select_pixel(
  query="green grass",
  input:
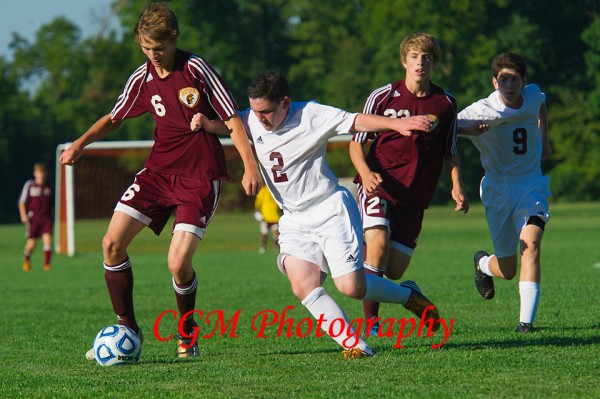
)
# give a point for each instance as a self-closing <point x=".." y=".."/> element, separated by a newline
<point x="49" y="319"/>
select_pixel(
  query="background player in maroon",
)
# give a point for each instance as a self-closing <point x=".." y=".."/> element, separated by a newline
<point x="184" y="170"/>
<point x="397" y="178"/>
<point x="35" y="207"/>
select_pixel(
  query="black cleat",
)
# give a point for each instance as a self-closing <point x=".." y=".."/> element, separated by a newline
<point x="525" y="328"/>
<point x="483" y="282"/>
<point x="185" y="348"/>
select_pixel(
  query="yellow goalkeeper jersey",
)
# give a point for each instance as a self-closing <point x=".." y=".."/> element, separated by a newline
<point x="267" y="206"/>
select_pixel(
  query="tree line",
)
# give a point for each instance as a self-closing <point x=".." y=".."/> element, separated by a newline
<point x="333" y="51"/>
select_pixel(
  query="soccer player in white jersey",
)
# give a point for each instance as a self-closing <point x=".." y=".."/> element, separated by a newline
<point x="320" y="229"/>
<point x="510" y="129"/>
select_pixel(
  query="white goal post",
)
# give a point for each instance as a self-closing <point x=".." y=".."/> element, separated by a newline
<point x="66" y="183"/>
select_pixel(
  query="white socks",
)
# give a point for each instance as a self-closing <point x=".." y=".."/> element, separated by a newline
<point x="318" y="303"/>
<point x="380" y="289"/>
<point x="530" y="296"/>
<point x="484" y="265"/>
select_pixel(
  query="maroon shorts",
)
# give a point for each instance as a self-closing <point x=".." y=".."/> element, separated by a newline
<point x="403" y="220"/>
<point x="39" y="225"/>
<point x="153" y="197"/>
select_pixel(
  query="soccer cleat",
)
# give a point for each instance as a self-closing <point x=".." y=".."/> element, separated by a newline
<point x="46" y="267"/>
<point x="89" y="355"/>
<point x="26" y="266"/>
<point x="417" y="303"/>
<point x="525" y="328"/>
<point x="374" y="330"/>
<point x="483" y="282"/>
<point x="184" y="345"/>
<point x="356" y="353"/>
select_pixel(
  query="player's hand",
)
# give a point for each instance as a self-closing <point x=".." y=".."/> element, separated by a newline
<point x="70" y="155"/>
<point x="462" y="202"/>
<point x="24" y="220"/>
<point x="196" y="122"/>
<point x="371" y="182"/>
<point x="252" y="181"/>
<point x="406" y="126"/>
<point x="480" y="128"/>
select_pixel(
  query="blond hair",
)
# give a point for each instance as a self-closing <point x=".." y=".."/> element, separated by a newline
<point x="423" y="42"/>
<point x="158" y="23"/>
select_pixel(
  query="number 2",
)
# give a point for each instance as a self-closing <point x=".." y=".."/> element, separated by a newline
<point x="278" y="176"/>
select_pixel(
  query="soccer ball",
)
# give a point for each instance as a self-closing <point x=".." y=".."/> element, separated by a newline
<point x="116" y="345"/>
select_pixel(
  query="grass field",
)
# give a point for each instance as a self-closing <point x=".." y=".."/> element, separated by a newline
<point x="49" y="320"/>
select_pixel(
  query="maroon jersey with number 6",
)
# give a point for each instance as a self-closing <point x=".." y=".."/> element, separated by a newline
<point x="192" y="86"/>
<point x="410" y="166"/>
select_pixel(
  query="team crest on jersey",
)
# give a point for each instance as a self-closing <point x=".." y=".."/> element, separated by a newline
<point x="189" y="96"/>
<point x="434" y="119"/>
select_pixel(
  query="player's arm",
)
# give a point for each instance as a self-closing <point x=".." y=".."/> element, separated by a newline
<point x="212" y="126"/>
<point x="404" y="126"/>
<point x="234" y="128"/>
<point x="99" y="130"/>
<point x="543" y="124"/>
<point x="370" y="180"/>
<point x="251" y="180"/>
<point x="473" y="130"/>
<point x="458" y="193"/>
<point x="23" y="212"/>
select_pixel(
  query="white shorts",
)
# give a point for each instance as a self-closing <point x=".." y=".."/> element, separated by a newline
<point x="328" y="235"/>
<point x="508" y="206"/>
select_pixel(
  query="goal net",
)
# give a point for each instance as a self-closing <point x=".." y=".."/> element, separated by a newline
<point x="91" y="187"/>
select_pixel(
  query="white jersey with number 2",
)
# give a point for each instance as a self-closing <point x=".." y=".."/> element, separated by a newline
<point x="512" y="146"/>
<point x="293" y="157"/>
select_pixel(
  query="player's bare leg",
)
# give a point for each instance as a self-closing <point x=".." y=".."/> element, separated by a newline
<point x="305" y="280"/>
<point x="529" y="279"/>
<point x="397" y="264"/>
<point x="375" y="252"/>
<point x="27" y="251"/>
<point x="47" y="241"/>
<point x="118" y="274"/>
<point x="181" y="253"/>
<point x="367" y="286"/>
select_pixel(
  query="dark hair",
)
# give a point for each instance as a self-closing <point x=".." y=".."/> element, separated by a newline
<point x="158" y="23"/>
<point x="270" y="85"/>
<point x="509" y="61"/>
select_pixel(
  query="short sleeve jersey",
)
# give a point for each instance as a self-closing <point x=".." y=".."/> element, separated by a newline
<point x="293" y="157"/>
<point x="192" y="86"/>
<point x="410" y="166"/>
<point x="37" y="198"/>
<point x="512" y="146"/>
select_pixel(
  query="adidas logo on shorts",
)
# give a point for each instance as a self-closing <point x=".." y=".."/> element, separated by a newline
<point x="350" y="259"/>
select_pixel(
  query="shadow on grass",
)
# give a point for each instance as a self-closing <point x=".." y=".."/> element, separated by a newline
<point x="543" y="336"/>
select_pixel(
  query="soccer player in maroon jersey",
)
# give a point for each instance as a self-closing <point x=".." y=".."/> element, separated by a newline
<point x="397" y="178"/>
<point x="184" y="170"/>
<point x="35" y="207"/>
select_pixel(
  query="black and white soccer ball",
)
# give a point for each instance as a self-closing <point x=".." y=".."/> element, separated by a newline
<point x="117" y="345"/>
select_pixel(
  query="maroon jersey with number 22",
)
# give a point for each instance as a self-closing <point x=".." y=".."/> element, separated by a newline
<point x="410" y="166"/>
